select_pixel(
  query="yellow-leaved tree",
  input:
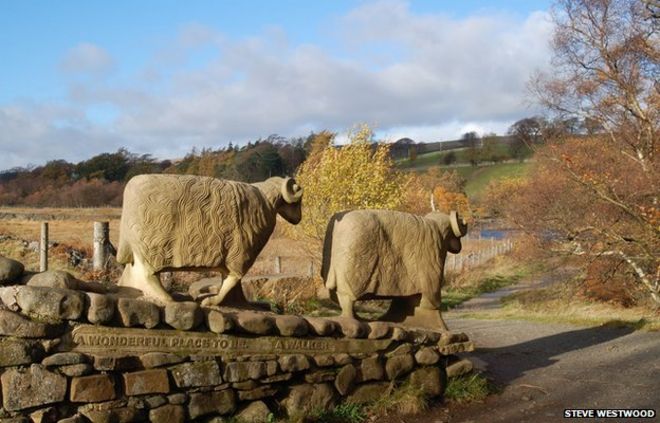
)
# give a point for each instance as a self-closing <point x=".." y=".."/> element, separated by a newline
<point x="359" y="175"/>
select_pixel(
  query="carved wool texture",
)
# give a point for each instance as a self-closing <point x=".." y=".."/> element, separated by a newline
<point x="175" y="221"/>
<point x="385" y="253"/>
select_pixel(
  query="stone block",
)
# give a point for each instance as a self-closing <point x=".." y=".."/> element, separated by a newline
<point x="456" y="348"/>
<point x="153" y="381"/>
<point x="155" y="401"/>
<point x="399" y="334"/>
<point x="264" y="391"/>
<point x="44" y="415"/>
<point x="293" y="362"/>
<point x="101" y="308"/>
<point x="159" y="359"/>
<point x="322" y="327"/>
<point x="318" y="376"/>
<point x="222" y="402"/>
<point x="51" y="303"/>
<point x="432" y="380"/>
<point x="345" y="379"/>
<point x="245" y="385"/>
<point x="13" y="324"/>
<point x="452" y="338"/>
<point x="76" y="418"/>
<point x="459" y="368"/>
<point x="277" y="378"/>
<point x="379" y="330"/>
<point x="303" y="399"/>
<point x="254" y="323"/>
<point x="400" y="350"/>
<point x="116" y="415"/>
<point x="8" y="297"/>
<point x="54" y="279"/>
<point x="323" y="360"/>
<point x="371" y="369"/>
<point x="10" y="270"/>
<point x="427" y="356"/>
<point x="255" y="412"/>
<point x="241" y="371"/>
<point x="17" y="352"/>
<point x="219" y="322"/>
<point x="199" y="373"/>
<point x="168" y="413"/>
<point x="116" y="363"/>
<point x="399" y="365"/>
<point x="31" y="387"/>
<point x="272" y="368"/>
<point x="369" y="392"/>
<point x="74" y="370"/>
<point x="184" y="315"/>
<point x="65" y="359"/>
<point x="342" y="359"/>
<point x="352" y="328"/>
<point x="178" y="398"/>
<point x="134" y="312"/>
<point x="96" y="388"/>
<point x="291" y="326"/>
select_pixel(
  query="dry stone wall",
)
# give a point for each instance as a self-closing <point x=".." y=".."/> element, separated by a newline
<point x="75" y="356"/>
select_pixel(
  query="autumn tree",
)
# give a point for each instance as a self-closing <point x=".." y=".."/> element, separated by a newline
<point x="354" y="176"/>
<point x="598" y="194"/>
<point x="472" y="144"/>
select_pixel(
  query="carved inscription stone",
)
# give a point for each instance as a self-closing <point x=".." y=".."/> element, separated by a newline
<point x="117" y="341"/>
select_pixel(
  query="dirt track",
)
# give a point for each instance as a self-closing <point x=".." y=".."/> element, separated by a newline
<point x="543" y="369"/>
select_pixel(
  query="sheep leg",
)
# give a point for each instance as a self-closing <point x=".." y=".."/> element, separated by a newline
<point x="227" y="285"/>
<point x="346" y="304"/>
<point x="430" y="302"/>
<point x="215" y="289"/>
<point x="140" y="276"/>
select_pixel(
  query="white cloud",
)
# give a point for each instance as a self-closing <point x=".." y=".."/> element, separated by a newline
<point x="428" y="77"/>
<point x="87" y="58"/>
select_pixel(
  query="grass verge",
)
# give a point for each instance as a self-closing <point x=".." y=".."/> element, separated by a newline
<point x="468" y="388"/>
<point x="498" y="273"/>
<point x="554" y="305"/>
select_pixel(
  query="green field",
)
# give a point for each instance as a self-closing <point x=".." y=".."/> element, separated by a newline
<point x="477" y="177"/>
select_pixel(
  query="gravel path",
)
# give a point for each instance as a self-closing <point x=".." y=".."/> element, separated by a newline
<point x="543" y="369"/>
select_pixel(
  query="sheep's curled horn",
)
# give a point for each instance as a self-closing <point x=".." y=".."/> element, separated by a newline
<point x="458" y="225"/>
<point x="291" y="191"/>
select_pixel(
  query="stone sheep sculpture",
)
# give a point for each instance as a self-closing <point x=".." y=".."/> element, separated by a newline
<point x="381" y="254"/>
<point x="174" y="222"/>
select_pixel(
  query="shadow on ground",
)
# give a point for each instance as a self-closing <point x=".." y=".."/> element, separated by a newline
<point x="509" y="362"/>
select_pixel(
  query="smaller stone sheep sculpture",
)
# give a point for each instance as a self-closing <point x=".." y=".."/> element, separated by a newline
<point x="174" y="222"/>
<point x="381" y="254"/>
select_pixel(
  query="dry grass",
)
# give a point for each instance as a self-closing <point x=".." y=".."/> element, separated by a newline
<point x="52" y="213"/>
<point x="557" y="304"/>
<point x="75" y="233"/>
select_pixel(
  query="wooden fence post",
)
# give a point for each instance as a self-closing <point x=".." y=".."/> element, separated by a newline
<point x="43" y="248"/>
<point x="278" y="265"/>
<point x="101" y="241"/>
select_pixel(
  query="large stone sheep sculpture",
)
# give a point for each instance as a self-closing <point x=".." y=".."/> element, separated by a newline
<point x="173" y="222"/>
<point x="380" y="254"/>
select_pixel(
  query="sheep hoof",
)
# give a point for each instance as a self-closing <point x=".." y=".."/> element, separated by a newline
<point x="211" y="301"/>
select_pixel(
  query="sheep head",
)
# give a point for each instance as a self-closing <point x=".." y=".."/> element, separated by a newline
<point x="291" y="206"/>
<point x="453" y="227"/>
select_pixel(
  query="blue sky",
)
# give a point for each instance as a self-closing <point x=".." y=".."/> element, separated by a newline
<point x="79" y="78"/>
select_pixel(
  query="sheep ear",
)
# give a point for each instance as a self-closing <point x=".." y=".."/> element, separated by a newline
<point x="291" y="191"/>
<point x="458" y="225"/>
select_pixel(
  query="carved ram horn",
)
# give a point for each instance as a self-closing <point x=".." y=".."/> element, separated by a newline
<point x="458" y="225"/>
<point x="291" y="191"/>
<point x="432" y="203"/>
